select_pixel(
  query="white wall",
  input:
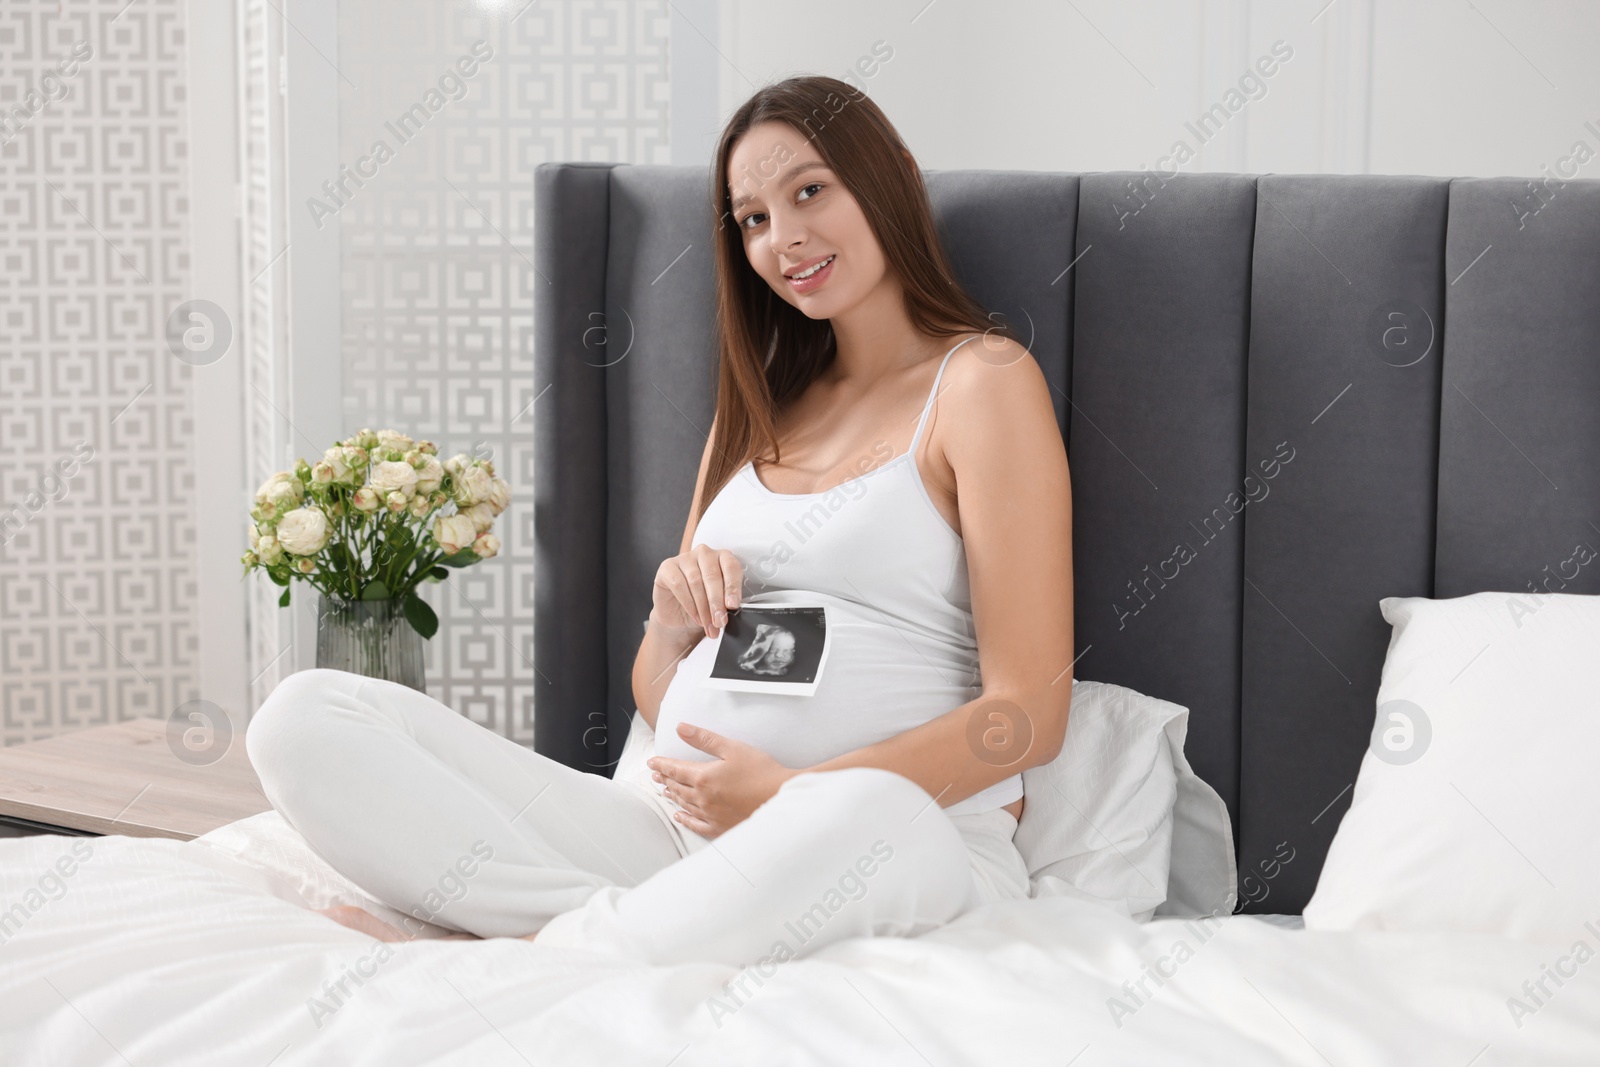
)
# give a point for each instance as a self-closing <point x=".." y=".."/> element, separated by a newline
<point x="1446" y="87"/>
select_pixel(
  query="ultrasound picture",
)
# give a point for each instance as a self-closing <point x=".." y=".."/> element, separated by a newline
<point x="772" y="648"/>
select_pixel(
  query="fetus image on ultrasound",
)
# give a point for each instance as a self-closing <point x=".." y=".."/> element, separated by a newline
<point x="771" y="648"/>
<point x="771" y="652"/>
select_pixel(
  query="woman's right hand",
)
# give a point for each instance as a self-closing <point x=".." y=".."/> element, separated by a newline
<point x="694" y="591"/>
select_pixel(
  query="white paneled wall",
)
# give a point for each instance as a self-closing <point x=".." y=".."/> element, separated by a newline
<point x="438" y="276"/>
<point x="1446" y="87"/>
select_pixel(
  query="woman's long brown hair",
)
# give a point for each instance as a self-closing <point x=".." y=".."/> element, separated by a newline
<point x="862" y="147"/>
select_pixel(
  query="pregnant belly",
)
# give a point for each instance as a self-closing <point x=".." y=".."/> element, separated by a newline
<point x="880" y="680"/>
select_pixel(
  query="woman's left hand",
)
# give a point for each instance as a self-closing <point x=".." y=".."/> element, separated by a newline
<point x="717" y="795"/>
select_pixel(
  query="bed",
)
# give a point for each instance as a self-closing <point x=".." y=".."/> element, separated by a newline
<point x="1420" y="360"/>
<point x="204" y="953"/>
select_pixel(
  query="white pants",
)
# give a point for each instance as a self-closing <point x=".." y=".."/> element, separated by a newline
<point x="448" y="821"/>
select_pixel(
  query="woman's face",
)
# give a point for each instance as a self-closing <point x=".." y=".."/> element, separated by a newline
<point x="794" y="213"/>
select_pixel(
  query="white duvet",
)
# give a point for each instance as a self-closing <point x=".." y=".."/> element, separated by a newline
<point x="159" y="953"/>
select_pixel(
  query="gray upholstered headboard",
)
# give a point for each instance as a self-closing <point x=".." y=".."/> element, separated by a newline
<point x="1416" y="360"/>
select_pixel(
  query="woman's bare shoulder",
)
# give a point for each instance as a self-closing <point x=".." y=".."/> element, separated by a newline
<point x="994" y="390"/>
<point x="989" y="369"/>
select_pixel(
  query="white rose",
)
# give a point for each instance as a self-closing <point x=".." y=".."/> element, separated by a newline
<point x="482" y="516"/>
<point x="356" y="460"/>
<point x="429" y="475"/>
<point x="366" y="500"/>
<point x="305" y="565"/>
<point x="338" y="461"/>
<point x="392" y="440"/>
<point x="396" y="501"/>
<point x="452" y="533"/>
<point x="457" y="463"/>
<point x="278" y="496"/>
<point x="281" y="484"/>
<point x="393" y="476"/>
<point x="304" y="531"/>
<point x="269" y="551"/>
<point x="420" y="506"/>
<point x="500" y="494"/>
<point x="486" y="545"/>
<point x="473" y="486"/>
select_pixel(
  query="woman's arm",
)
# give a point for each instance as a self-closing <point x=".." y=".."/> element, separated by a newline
<point x="1015" y="500"/>
<point x="659" y="655"/>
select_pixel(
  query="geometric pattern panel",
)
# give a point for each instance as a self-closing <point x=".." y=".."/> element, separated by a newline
<point x="438" y="274"/>
<point x="97" y="577"/>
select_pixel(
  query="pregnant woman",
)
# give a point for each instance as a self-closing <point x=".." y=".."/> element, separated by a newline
<point x="879" y="449"/>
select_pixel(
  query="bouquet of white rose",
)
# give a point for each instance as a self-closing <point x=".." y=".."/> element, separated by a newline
<point x="366" y="521"/>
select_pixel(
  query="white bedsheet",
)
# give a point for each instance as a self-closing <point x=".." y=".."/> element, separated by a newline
<point x="159" y="953"/>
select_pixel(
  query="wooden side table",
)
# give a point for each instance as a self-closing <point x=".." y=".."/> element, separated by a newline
<point x="124" y="779"/>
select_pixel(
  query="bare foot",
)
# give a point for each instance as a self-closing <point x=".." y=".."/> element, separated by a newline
<point x="367" y="923"/>
<point x="364" y="921"/>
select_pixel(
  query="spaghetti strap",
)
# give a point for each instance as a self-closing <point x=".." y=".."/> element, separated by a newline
<point x="932" y="394"/>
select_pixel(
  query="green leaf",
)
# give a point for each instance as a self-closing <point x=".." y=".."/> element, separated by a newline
<point x="438" y="574"/>
<point x="420" y="615"/>
<point x="283" y="601"/>
<point x="396" y="544"/>
<point x="465" y="558"/>
<point x="375" y="590"/>
<point x="279" y="576"/>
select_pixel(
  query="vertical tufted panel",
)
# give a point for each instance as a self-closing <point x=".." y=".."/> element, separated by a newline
<point x="660" y="396"/>
<point x="569" y="459"/>
<point x="1519" y="464"/>
<point x="1010" y="236"/>
<point x="1158" y="372"/>
<point x="1346" y="308"/>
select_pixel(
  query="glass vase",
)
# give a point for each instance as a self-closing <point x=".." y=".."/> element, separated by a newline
<point x="371" y="638"/>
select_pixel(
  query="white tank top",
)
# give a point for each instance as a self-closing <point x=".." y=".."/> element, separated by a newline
<point x="892" y="574"/>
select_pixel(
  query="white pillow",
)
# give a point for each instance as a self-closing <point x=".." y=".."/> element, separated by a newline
<point x="1203" y="877"/>
<point x="1477" y="803"/>
<point x="1119" y="817"/>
